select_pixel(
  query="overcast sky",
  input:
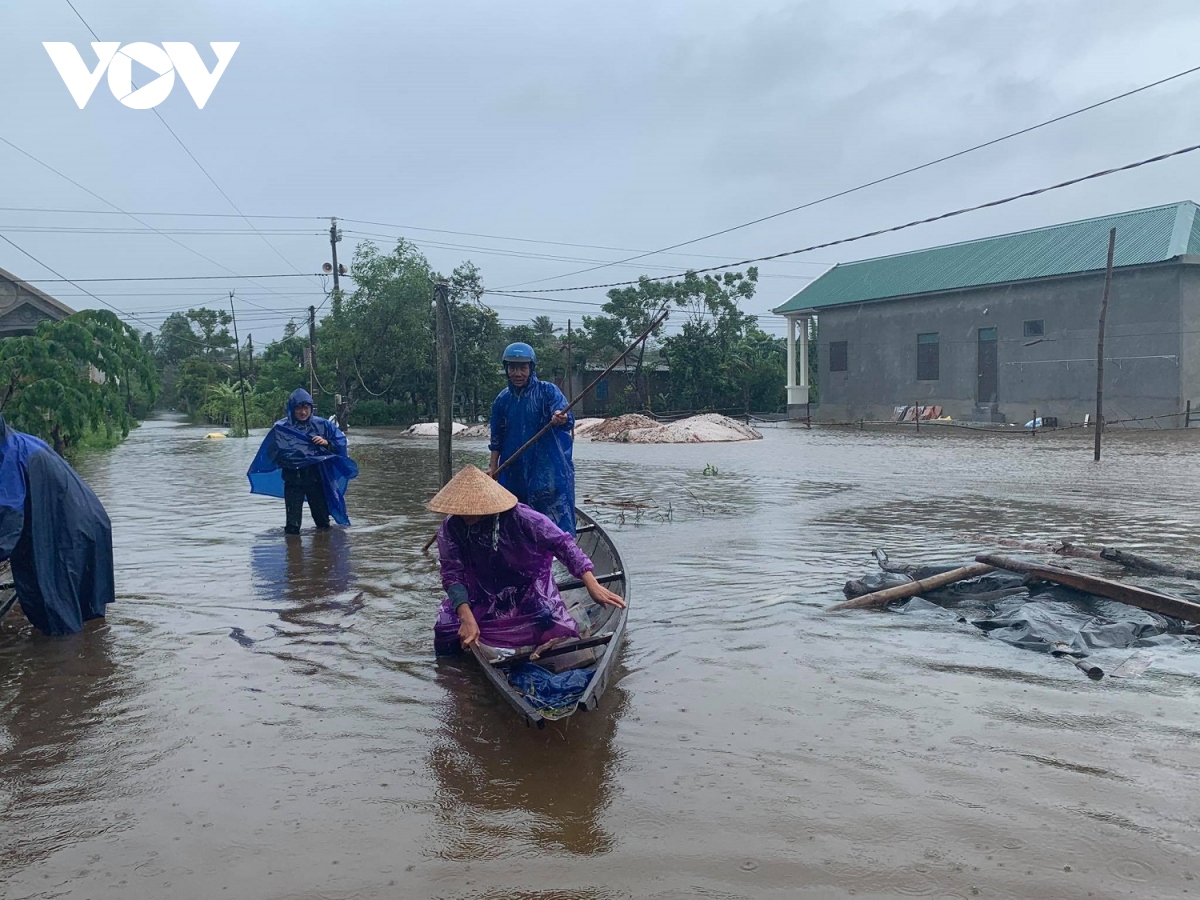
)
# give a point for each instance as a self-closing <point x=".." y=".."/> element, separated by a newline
<point x="622" y="124"/>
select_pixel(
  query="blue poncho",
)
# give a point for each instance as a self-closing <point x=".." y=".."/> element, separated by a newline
<point x="543" y="477"/>
<point x="289" y="445"/>
<point x="56" y="533"/>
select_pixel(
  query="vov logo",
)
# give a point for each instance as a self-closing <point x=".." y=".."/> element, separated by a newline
<point x="164" y="61"/>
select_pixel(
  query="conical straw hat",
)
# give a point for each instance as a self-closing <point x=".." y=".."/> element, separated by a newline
<point x="472" y="493"/>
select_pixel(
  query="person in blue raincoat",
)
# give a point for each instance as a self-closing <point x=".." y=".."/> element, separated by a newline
<point x="304" y="457"/>
<point x="56" y="533"/>
<point x="543" y="477"/>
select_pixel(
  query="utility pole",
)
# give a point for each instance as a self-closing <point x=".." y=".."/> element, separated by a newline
<point x="1112" y="243"/>
<point x="445" y="386"/>
<point x="241" y="377"/>
<point x="570" y="375"/>
<point x="250" y="351"/>
<point x="570" y="385"/>
<point x="312" y="353"/>
<point x="334" y="237"/>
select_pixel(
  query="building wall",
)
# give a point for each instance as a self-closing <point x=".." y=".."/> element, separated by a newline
<point x="1189" y="332"/>
<point x="1056" y="376"/>
<point x="21" y="320"/>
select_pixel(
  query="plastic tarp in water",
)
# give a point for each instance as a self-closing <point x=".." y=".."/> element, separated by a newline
<point x="503" y="567"/>
<point x="289" y="445"/>
<point x="1048" y="618"/>
<point x="56" y="533"/>
<point x="542" y="477"/>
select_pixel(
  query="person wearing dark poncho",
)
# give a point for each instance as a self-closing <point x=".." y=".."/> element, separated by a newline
<point x="303" y="457"/>
<point x="56" y="533"/>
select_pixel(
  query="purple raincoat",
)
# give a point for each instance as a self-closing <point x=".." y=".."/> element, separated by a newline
<point x="501" y="565"/>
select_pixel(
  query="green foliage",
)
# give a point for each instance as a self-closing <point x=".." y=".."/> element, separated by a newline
<point x="86" y="377"/>
<point x="721" y="359"/>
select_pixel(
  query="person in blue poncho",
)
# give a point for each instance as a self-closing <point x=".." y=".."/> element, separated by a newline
<point x="56" y="534"/>
<point x="543" y="477"/>
<point x="303" y="457"/>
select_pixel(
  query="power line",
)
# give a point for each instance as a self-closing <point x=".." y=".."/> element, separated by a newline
<point x="878" y="181"/>
<point x="496" y="251"/>
<point x="196" y="215"/>
<point x="162" y="277"/>
<point x="89" y="293"/>
<point x="145" y="225"/>
<point x="192" y="156"/>
<point x="949" y="215"/>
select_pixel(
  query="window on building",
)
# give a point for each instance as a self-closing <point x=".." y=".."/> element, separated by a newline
<point x="1035" y="327"/>
<point x="838" y="360"/>
<point x="928" y="368"/>
<point x="602" y="390"/>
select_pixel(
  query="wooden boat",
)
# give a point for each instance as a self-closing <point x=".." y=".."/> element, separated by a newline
<point x="601" y="628"/>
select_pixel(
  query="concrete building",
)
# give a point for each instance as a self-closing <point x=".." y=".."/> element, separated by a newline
<point x="992" y="329"/>
<point x="22" y="306"/>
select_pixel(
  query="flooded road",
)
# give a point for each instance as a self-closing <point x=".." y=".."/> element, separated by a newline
<point x="264" y="719"/>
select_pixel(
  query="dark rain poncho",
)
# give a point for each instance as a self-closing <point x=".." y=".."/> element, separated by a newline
<point x="56" y="534"/>
<point x="288" y="445"/>
<point x="510" y="587"/>
<point x="544" y="475"/>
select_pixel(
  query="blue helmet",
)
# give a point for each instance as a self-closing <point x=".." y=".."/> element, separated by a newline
<point x="520" y="353"/>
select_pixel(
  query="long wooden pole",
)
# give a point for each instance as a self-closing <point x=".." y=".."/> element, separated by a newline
<point x="882" y="598"/>
<point x="1125" y="593"/>
<point x="1112" y="243"/>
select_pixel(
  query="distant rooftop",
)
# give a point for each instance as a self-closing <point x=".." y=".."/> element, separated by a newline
<point x="1143" y="236"/>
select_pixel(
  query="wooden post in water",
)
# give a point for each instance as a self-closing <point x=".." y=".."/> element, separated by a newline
<point x="917" y="416"/>
<point x="1034" y="429"/>
<point x="1099" y="424"/>
<point x="445" y="385"/>
<point x="241" y="377"/>
<point x="1187" y="416"/>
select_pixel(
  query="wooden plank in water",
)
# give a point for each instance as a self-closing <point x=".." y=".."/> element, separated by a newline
<point x="1142" y="598"/>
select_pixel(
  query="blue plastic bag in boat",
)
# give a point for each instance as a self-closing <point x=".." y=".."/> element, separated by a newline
<point x="545" y="690"/>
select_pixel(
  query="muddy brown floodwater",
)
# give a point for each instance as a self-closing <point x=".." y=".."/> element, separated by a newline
<point x="243" y="726"/>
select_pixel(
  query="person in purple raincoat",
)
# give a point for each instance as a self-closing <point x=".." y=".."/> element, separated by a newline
<point x="496" y="558"/>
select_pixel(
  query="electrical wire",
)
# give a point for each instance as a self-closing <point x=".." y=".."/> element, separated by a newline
<point x="881" y="180"/>
<point x="191" y="155"/>
<point x="870" y="234"/>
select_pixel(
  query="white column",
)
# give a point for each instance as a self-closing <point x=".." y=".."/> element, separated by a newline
<point x="797" y="390"/>
<point x="791" y="354"/>
<point x="802" y="381"/>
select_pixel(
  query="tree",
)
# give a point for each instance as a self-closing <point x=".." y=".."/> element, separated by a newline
<point x="378" y="340"/>
<point x="721" y="359"/>
<point x="86" y="375"/>
<point x="630" y="311"/>
<point x="215" y="338"/>
<point x="176" y="340"/>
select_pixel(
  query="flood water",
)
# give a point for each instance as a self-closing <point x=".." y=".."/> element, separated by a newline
<point x="265" y="719"/>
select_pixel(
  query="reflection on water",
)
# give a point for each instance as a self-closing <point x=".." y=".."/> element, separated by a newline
<point x="61" y="698"/>
<point x="752" y="745"/>
<point x="511" y="789"/>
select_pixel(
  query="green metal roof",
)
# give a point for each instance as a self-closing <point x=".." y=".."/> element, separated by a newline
<point x="1143" y="236"/>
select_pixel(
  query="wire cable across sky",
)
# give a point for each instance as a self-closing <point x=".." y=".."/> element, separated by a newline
<point x="877" y="181"/>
